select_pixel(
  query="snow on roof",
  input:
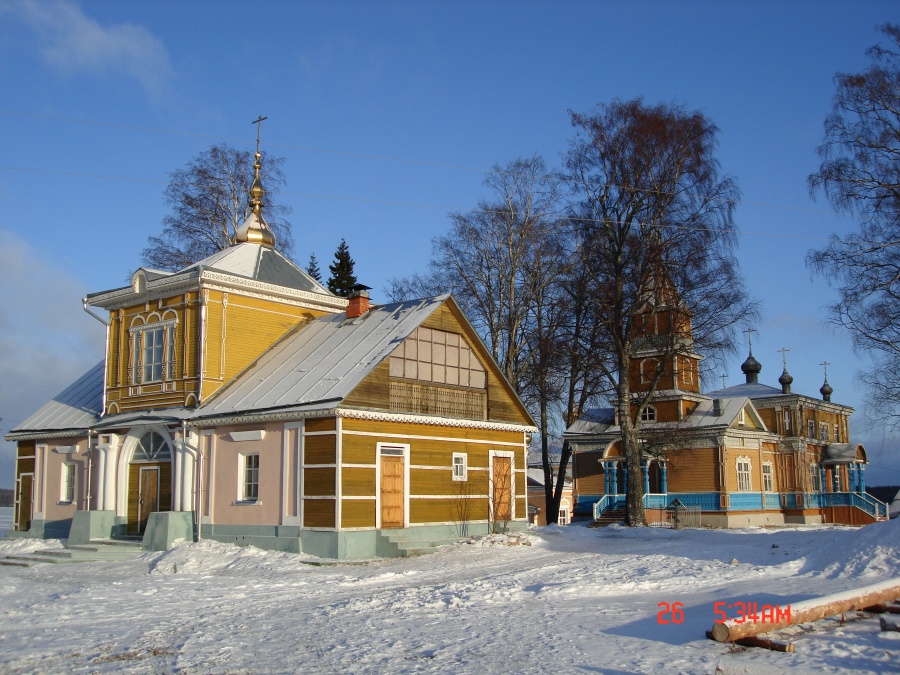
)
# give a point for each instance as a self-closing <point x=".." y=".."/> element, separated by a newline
<point x="749" y="390"/>
<point x="76" y="407"/>
<point x="842" y="451"/>
<point x="322" y="361"/>
<point x="593" y="421"/>
<point x="705" y="414"/>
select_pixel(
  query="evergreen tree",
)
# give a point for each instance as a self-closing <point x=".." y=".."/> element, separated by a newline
<point x="342" y="279"/>
<point x="312" y="269"/>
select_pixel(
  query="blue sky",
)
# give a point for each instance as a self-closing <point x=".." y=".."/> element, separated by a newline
<point x="388" y="114"/>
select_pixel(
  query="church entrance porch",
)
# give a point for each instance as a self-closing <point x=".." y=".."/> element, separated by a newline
<point x="149" y="481"/>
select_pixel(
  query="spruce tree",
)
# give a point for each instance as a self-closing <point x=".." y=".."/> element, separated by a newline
<point x="312" y="269"/>
<point x="342" y="279"/>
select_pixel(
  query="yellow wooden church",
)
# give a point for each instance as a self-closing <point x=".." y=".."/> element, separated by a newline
<point x="242" y="401"/>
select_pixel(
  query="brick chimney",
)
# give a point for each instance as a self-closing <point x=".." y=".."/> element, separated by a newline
<point x="359" y="303"/>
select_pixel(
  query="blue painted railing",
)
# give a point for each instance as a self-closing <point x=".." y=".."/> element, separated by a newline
<point x="738" y="501"/>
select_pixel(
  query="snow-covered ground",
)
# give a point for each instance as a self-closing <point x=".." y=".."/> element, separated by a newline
<point x="6" y="519"/>
<point x="561" y="600"/>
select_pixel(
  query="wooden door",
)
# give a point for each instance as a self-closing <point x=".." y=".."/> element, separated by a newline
<point x="26" y="498"/>
<point x="148" y="496"/>
<point x="502" y="490"/>
<point x="391" y="491"/>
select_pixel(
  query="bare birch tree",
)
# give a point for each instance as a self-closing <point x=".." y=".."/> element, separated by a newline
<point x="498" y="259"/>
<point x="658" y="236"/>
<point x="209" y="203"/>
<point x="860" y="175"/>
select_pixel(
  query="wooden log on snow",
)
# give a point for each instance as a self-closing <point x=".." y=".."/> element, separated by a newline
<point x="809" y="610"/>
<point x="766" y="643"/>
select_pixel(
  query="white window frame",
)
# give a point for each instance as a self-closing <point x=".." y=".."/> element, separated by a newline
<point x="563" y="516"/>
<point x="744" y="470"/>
<point x="823" y="432"/>
<point x="768" y="477"/>
<point x="815" y="478"/>
<point x="67" y="483"/>
<point x="742" y="417"/>
<point x="787" y="420"/>
<point x="159" y="371"/>
<point x="245" y="485"/>
<point x="811" y="429"/>
<point x="648" y="414"/>
<point x="837" y="434"/>
<point x="460" y="466"/>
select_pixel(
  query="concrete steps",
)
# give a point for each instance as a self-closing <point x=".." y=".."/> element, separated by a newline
<point x="96" y="551"/>
<point x="609" y="517"/>
<point x="410" y="542"/>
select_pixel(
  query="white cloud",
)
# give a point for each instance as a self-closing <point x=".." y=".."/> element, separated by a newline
<point x="46" y="339"/>
<point x="74" y="43"/>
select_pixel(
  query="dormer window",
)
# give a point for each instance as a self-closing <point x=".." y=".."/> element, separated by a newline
<point x="742" y="418"/>
<point x="648" y="414"/>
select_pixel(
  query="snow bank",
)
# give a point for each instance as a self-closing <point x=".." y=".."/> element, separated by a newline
<point x="873" y="551"/>
<point x="213" y="557"/>
<point x="25" y="545"/>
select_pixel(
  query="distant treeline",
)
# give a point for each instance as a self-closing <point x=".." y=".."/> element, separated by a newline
<point x="7" y="497"/>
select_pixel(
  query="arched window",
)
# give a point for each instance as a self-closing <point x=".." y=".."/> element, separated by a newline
<point x="152" y="448"/>
<point x="648" y="414"/>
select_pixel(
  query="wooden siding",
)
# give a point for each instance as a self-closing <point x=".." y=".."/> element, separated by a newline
<point x="320" y="424"/>
<point x="358" y="482"/>
<point x="319" y="450"/>
<point x="357" y="449"/>
<point x="374" y="390"/>
<point x="318" y="512"/>
<point x="357" y="513"/>
<point x="440" y="511"/>
<point x="693" y="470"/>
<point x="588" y="473"/>
<point x="319" y="482"/>
<point x="435" y="430"/>
<point x="185" y="353"/>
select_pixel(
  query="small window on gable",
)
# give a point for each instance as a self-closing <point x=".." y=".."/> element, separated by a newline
<point x="648" y="414"/>
<point x="460" y="466"/>
<point x="742" y="417"/>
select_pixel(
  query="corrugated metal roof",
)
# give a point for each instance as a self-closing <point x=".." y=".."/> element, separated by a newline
<point x="324" y="359"/>
<point x="76" y="407"/>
